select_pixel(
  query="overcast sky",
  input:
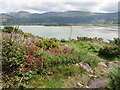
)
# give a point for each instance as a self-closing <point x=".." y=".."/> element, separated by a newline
<point x="40" y="6"/>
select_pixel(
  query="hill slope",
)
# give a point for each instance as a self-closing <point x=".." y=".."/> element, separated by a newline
<point x="80" y="17"/>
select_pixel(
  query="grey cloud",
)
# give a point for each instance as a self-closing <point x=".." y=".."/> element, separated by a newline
<point x="55" y="6"/>
<point x="45" y="6"/>
<point x="111" y="7"/>
<point x="81" y="3"/>
<point x="49" y="6"/>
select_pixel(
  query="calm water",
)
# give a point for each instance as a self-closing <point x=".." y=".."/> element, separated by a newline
<point x="64" y="32"/>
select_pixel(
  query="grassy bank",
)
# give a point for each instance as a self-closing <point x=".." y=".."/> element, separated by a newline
<point x="35" y="62"/>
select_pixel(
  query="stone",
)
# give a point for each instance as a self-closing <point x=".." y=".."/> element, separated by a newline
<point x="87" y="87"/>
<point x="85" y="66"/>
<point x="92" y="76"/>
<point x="77" y="64"/>
<point x="98" y="83"/>
<point x="102" y="64"/>
<point x="80" y="85"/>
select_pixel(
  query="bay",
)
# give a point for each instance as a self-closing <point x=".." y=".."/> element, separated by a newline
<point x="106" y="33"/>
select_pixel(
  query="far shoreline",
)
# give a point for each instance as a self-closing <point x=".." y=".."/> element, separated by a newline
<point x="73" y="25"/>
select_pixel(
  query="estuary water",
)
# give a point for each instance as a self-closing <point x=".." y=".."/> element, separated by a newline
<point x="106" y="33"/>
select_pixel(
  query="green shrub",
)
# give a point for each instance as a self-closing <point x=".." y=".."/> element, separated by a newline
<point x="109" y="52"/>
<point x="73" y="40"/>
<point x="63" y="40"/>
<point x="115" y="41"/>
<point x="114" y="83"/>
<point x="68" y="56"/>
<point x="94" y="48"/>
<point x="68" y="70"/>
<point x="89" y="39"/>
<point x="84" y="39"/>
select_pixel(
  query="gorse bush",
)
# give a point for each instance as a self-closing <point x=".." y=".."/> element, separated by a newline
<point x="47" y="44"/>
<point x="114" y="83"/>
<point x="54" y="39"/>
<point x="26" y="35"/>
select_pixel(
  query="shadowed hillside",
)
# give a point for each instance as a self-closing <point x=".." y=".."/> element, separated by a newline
<point x="75" y="17"/>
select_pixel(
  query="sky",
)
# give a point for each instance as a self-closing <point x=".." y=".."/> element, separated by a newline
<point x="41" y="6"/>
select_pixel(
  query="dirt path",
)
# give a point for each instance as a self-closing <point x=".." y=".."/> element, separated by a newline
<point x="101" y="72"/>
<point x="98" y="79"/>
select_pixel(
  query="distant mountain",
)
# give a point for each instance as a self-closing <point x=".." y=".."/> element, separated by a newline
<point x="20" y="14"/>
<point x="75" y="17"/>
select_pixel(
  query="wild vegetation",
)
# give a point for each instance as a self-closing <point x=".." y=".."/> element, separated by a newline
<point x="114" y="83"/>
<point x="35" y="62"/>
<point x="97" y="46"/>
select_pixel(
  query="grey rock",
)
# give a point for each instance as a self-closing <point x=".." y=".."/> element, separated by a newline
<point x="80" y="85"/>
<point x="85" y="66"/>
<point x="102" y="64"/>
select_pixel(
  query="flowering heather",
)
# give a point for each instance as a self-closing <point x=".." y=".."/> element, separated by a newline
<point x="23" y="69"/>
<point x="57" y="51"/>
<point x="61" y="44"/>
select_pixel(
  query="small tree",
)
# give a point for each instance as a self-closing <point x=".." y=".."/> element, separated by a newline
<point x="8" y="29"/>
<point x="11" y="29"/>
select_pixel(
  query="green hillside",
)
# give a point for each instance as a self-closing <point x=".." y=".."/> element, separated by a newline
<point x="72" y="17"/>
